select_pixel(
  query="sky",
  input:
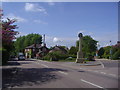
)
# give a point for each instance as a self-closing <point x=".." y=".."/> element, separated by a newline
<point x="62" y="21"/>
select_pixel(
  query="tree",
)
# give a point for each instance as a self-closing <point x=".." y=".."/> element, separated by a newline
<point x="89" y="46"/>
<point x="101" y="52"/>
<point x="73" y="50"/>
<point x="24" y="41"/>
<point x="8" y="33"/>
<point x="107" y="52"/>
<point x="116" y="55"/>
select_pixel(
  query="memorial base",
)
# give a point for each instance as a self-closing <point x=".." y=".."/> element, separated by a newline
<point x="80" y="58"/>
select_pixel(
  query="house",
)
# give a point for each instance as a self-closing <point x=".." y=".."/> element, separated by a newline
<point x="36" y="51"/>
<point x="60" y="49"/>
<point x="117" y="45"/>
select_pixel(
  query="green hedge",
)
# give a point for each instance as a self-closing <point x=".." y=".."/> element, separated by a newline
<point x="55" y="56"/>
<point x="116" y="55"/>
<point x="5" y="56"/>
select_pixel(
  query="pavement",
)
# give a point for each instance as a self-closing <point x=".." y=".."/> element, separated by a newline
<point x="44" y="74"/>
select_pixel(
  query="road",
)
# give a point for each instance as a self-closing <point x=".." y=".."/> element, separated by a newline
<point x="43" y="74"/>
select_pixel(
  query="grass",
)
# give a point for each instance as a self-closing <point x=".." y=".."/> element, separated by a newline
<point x="66" y="60"/>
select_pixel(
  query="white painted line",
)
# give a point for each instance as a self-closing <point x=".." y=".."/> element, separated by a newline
<point x="113" y="75"/>
<point x="103" y="72"/>
<point x="91" y="83"/>
<point x="63" y="72"/>
<point x="44" y="65"/>
<point x="102" y="64"/>
<point x="81" y="68"/>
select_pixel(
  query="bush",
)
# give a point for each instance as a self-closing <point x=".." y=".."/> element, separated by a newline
<point x="5" y="56"/>
<point x="116" y="55"/>
<point x="55" y="56"/>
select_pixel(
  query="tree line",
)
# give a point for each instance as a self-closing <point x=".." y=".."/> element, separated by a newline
<point x="23" y="41"/>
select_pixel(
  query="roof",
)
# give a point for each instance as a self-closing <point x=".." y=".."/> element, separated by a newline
<point x="58" y="48"/>
<point x="34" y="46"/>
<point x="117" y="45"/>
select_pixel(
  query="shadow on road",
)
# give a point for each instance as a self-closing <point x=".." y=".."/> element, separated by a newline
<point x="15" y="62"/>
<point x="28" y="76"/>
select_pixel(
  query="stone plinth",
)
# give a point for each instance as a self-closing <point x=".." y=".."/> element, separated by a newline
<point x="80" y="58"/>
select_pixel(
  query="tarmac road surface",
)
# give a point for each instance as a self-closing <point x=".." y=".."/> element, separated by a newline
<point x="43" y="74"/>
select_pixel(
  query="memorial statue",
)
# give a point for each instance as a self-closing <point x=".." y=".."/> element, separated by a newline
<point x="80" y="58"/>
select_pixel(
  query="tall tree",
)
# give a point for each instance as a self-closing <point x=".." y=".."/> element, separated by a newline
<point x="24" y="41"/>
<point x="73" y="50"/>
<point x="7" y="31"/>
<point x="101" y="52"/>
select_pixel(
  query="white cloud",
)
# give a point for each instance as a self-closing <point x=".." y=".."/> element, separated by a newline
<point x="39" y="21"/>
<point x="35" y="8"/>
<point x="12" y="16"/>
<point x="64" y="41"/>
<point x="55" y="39"/>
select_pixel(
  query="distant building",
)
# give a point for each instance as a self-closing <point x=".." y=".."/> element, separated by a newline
<point x="60" y="49"/>
<point x="36" y="51"/>
<point x="117" y="45"/>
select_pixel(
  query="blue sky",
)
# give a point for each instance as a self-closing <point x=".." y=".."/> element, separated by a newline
<point x="62" y="21"/>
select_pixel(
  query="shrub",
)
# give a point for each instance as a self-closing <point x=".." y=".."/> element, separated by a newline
<point x="5" y="56"/>
<point x="116" y="55"/>
<point x="55" y="56"/>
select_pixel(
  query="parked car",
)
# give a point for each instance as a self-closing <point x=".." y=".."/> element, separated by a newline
<point x="21" y="57"/>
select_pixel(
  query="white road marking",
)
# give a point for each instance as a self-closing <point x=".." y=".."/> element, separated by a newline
<point x="102" y="64"/>
<point x="44" y="65"/>
<point x="81" y="68"/>
<point x="91" y="83"/>
<point x="63" y="72"/>
<point x="103" y="72"/>
<point x="113" y="75"/>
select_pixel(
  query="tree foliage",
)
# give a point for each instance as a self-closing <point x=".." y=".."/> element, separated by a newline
<point x="7" y="31"/>
<point x="101" y="52"/>
<point x="55" y="56"/>
<point x="110" y="52"/>
<point x="89" y="45"/>
<point x="73" y="50"/>
<point x="24" y="41"/>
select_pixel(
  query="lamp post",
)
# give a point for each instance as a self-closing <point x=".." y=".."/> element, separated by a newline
<point x="80" y="53"/>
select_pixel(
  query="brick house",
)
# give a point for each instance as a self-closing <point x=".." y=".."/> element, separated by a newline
<point x="36" y="51"/>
